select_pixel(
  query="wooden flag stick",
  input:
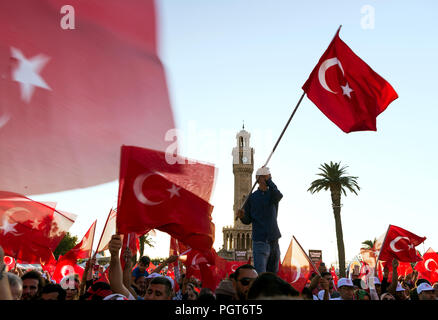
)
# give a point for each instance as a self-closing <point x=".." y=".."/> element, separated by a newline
<point x="275" y="146"/>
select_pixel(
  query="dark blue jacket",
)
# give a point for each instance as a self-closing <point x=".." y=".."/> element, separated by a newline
<point x="261" y="210"/>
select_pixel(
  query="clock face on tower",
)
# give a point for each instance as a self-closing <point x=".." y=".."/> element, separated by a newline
<point x="244" y="159"/>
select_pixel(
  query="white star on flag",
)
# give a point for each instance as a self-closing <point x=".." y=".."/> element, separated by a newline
<point x="346" y="90"/>
<point x="411" y="246"/>
<point x="27" y="73"/>
<point x="8" y="227"/>
<point x="35" y="224"/>
<point x="173" y="191"/>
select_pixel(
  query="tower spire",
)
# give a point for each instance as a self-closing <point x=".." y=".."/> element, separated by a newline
<point x="243" y="125"/>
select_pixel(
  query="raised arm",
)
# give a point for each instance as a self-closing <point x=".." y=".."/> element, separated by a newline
<point x="127" y="279"/>
<point x="276" y="195"/>
<point x="170" y="259"/>
<point x="393" y="286"/>
<point x="5" y="290"/>
<point x="87" y="275"/>
<point x="115" y="269"/>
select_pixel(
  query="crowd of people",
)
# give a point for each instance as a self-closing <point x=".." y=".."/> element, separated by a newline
<point x="245" y="283"/>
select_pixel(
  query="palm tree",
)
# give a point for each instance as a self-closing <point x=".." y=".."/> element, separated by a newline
<point x="334" y="178"/>
<point x="369" y="244"/>
<point x="145" y="240"/>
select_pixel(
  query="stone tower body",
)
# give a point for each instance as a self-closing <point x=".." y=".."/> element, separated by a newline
<point x="237" y="238"/>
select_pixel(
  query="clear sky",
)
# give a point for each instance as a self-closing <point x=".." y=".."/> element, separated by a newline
<point x="232" y="60"/>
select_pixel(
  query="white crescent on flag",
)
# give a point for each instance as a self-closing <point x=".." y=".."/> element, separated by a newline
<point x="393" y="242"/>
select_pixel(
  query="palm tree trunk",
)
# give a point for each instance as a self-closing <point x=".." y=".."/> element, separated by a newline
<point x="336" y="203"/>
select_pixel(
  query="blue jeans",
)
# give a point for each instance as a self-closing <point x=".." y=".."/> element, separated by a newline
<point x="266" y="256"/>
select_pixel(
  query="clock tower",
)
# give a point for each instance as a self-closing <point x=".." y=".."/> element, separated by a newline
<point x="237" y="239"/>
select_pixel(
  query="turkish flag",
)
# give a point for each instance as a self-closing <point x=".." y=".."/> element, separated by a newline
<point x="9" y="263"/>
<point x="207" y="266"/>
<point x="50" y="266"/>
<point x="296" y="267"/>
<point x="428" y="267"/>
<point x="129" y="240"/>
<point x="173" y="198"/>
<point x="84" y="248"/>
<point x="70" y="98"/>
<point x="65" y="267"/>
<point x="400" y="244"/>
<point x="347" y="90"/>
<point x="30" y="230"/>
<point x="108" y="231"/>
<point x="334" y="276"/>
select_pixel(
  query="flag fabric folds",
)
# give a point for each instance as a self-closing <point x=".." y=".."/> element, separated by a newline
<point x="428" y="267"/>
<point x="173" y="198"/>
<point x="296" y="267"/>
<point x="30" y="230"/>
<point x="70" y="98"/>
<point x="108" y="231"/>
<point x="347" y="90"/>
<point x="84" y="248"/>
<point x="400" y="244"/>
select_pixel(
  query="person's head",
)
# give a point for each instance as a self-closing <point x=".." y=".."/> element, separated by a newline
<point x="328" y="276"/>
<point x="425" y="292"/>
<point x="387" y="296"/>
<point x="71" y="284"/>
<point x="262" y="175"/>
<point x="191" y="292"/>
<point x="52" y="291"/>
<point x="306" y="294"/>
<point x="243" y="277"/>
<point x="33" y="283"/>
<point x="140" y="282"/>
<point x="160" y="288"/>
<point x="374" y="283"/>
<point x="16" y="286"/>
<point x="361" y="294"/>
<point x="206" y="295"/>
<point x="143" y="263"/>
<point x="400" y="292"/>
<point x="435" y="286"/>
<point x="98" y="291"/>
<point x="346" y="288"/>
<point x="225" y="291"/>
<point x="269" y="285"/>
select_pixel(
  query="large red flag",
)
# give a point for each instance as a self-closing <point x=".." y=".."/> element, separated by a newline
<point x="84" y="248"/>
<point x="30" y="230"/>
<point x="347" y="90"/>
<point x="50" y="266"/>
<point x="400" y="244"/>
<point x="70" y="98"/>
<point x="428" y="267"/>
<point x="296" y="267"/>
<point x="173" y="198"/>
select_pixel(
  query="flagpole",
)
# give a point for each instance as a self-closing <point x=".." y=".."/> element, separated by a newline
<point x="92" y="241"/>
<point x="101" y="235"/>
<point x="307" y="256"/>
<point x="275" y="146"/>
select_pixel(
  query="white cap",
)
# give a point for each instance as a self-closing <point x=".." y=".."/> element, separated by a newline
<point x="399" y="288"/>
<point x="374" y="280"/>
<point x="345" y="282"/>
<point x="263" y="171"/>
<point x="153" y="275"/>
<point x="321" y="295"/>
<point x="424" y="287"/>
<point x="171" y="280"/>
<point x="115" y="296"/>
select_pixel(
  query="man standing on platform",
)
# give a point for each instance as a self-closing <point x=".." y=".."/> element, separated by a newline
<point x="261" y="209"/>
